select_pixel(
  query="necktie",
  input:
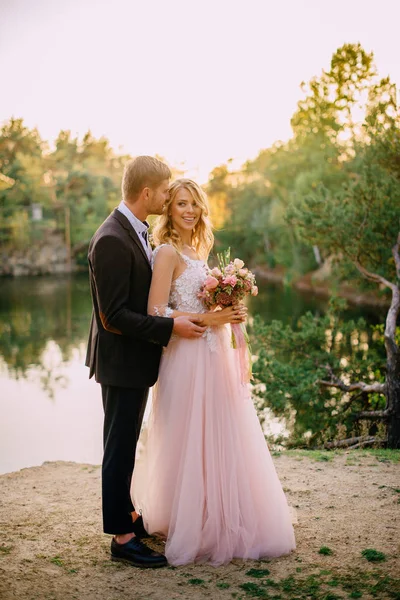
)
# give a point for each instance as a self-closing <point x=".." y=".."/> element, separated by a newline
<point x="147" y="246"/>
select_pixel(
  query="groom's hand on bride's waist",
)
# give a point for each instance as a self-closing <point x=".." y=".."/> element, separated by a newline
<point x="188" y="327"/>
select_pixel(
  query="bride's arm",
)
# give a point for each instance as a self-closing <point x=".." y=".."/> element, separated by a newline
<point x="166" y="264"/>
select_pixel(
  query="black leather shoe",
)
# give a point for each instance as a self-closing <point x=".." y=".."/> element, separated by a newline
<point x="139" y="530"/>
<point x="137" y="554"/>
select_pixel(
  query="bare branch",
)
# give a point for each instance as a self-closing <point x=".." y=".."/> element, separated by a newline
<point x="378" y="388"/>
<point x="345" y="407"/>
<point x="374" y="276"/>
<point x="368" y="443"/>
<point x="348" y="442"/>
<point x="372" y="414"/>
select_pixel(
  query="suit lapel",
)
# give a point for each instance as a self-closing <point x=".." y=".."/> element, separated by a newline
<point x="132" y="233"/>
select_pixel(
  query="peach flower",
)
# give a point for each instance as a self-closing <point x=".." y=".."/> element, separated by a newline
<point x="211" y="283"/>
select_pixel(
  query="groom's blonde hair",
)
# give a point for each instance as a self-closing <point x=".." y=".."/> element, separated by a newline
<point x="141" y="172"/>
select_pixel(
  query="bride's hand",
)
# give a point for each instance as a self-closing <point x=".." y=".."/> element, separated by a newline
<point x="230" y="314"/>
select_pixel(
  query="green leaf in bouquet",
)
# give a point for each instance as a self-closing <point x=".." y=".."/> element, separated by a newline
<point x="224" y="258"/>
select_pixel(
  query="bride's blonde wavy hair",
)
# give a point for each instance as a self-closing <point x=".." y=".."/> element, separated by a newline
<point x="202" y="237"/>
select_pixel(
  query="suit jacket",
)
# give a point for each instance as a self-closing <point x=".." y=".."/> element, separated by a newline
<point x="125" y="343"/>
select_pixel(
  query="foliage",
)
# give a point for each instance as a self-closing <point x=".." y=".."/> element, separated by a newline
<point x="360" y="222"/>
<point x="293" y="360"/>
<point x="343" y="156"/>
<point x="77" y="180"/>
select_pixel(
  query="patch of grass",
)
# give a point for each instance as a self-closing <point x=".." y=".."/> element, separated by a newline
<point x="355" y="584"/>
<point x="56" y="560"/>
<point x="373" y="555"/>
<point x="352" y="456"/>
<point x="258" y="573"/>
<point x="254" y="590"/>
<point x="288" y="584"/>
<point x="5" y="549"/>
<point x="196" y="581"/>
<point x="325" y="551"/>
<point x="222" y="585"/>
<point x="381" y="453"/>
<point x="382" y="586"/>
<point x="317" y="455"/>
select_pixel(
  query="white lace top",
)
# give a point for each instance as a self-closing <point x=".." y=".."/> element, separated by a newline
<point x="182" y="292"/>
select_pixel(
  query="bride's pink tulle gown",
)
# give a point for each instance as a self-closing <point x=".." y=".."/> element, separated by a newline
<point x="205" y="479"/>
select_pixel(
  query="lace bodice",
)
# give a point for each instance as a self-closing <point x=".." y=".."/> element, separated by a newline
<point x="183" y="294"/>
<point x="185" y="287"/>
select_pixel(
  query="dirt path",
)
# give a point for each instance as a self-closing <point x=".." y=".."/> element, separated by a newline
<point x="51" y="545"/>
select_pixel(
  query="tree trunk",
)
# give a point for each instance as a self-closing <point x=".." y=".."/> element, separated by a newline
<point x="393" y="373"/>
<point x="393" y="402"/>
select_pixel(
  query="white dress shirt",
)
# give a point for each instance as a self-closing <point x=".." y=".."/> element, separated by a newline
<point x="138" y="225"/>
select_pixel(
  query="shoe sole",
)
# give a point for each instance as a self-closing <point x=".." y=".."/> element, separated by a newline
<point x="136" y="564"/>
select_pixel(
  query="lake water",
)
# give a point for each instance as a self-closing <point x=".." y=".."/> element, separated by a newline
<point x="49" y="409"/>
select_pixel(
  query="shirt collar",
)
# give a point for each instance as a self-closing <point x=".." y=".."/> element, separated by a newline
<point x="138" y="225"/>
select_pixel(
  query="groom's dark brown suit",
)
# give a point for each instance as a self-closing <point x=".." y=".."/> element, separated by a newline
<point x="124" y="352"/>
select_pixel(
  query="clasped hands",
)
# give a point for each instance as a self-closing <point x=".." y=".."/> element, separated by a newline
<point x="237" y="313"/>
<point x="194" y="325"/>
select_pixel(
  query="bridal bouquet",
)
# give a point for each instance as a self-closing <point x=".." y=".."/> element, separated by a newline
<point x="228" y="284"/>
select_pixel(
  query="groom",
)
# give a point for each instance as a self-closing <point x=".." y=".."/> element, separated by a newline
<point x="125" y="345"/>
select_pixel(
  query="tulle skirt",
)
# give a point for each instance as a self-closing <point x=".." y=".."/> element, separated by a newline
<point x="205" y="479"/>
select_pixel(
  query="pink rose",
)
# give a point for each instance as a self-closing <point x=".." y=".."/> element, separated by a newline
<point x="211" y="283"/>
<point x="254" y="290"/>
<point x="230" y="280"/>
<point x="243" y="272"/>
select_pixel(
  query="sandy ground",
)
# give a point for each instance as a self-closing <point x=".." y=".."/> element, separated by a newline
<point x="52" y="546"/>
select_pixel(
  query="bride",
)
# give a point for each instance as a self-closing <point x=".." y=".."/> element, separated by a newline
<point x="205" y="480"/>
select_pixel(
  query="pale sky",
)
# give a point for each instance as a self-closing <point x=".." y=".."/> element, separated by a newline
<point x="196" y="81"/>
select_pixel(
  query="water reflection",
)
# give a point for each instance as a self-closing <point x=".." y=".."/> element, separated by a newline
<point x="49" y="410"/>
<point x="286" y="304"/>
<point x="34" y="430"/>
<point x="42" y="320"/>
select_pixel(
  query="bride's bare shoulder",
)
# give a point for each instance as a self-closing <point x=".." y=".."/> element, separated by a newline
<point x="165" y="252"/>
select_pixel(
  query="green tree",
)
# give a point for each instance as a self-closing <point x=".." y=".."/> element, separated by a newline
<point x="294" y="362"/>
<point x="359" y="225"/>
